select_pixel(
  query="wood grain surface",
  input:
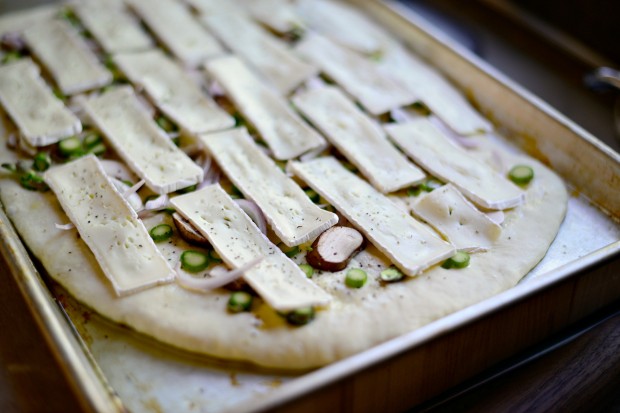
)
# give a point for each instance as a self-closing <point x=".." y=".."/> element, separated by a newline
<point x="580" y="374"/>
<point x="30" y="377"/>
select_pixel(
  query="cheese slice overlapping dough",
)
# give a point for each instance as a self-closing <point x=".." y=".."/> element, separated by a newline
<point x="113" y="26"/>
<point x="109" y="226"/>
<point x="409" y="244"/>
<point x="208" y="7"/>
<point x="174" y="25"/>
<point x="292" y="215"/>
<point x="238" y="241"/>
<point x="450" y="213"/>
<point x="357" y="75"/>
<point x="287" y="135"/>
<point x="437" y="154"/>
<point x="443" y="99"/>
<point x="141" y="143"/>
<point x="279" y="15"/>
<point x="41" y="117"/>
<point x="359" y="138"/>
<point x="173" y="91"/>
<point x="270" y="57"/>
<point x="66" y="57"/>
<point x="344" y="24"/>
<point x="18" y="21"/>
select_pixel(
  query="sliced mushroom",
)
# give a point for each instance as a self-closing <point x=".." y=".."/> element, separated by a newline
<point x="187" y="231"/>
<point x="334" y="248"/>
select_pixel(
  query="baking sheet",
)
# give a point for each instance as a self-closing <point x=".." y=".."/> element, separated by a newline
<point x="149" y="376"/>
<point x="152" y="377"/>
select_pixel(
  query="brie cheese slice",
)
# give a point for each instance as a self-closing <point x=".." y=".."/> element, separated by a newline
<point x="270" y="57"/>
<point x="292" y="215"/>
<point x="66" y="57"/>
<point x="287" y="135"/>
<point x="409" y="244"/>
<point x="279" y="15"/>
<point x="437" y="154"/>
<point x="358" y="138"/>
<point x="18" y="21"/>
<point x="452" y="215"/>
<point x="146" y="149"/>
<point x="357" y="75"/>
<point x="41" y="118"/>
<point x="344" y="24"/>
<point x="238" y="241"/>
<point x="113" y="26"/>
<point x="109" y="226"/>
<point x="208" y="7"/>
<point x="178" y="30"/>
<point x="173" y="91"/>
<point x="443" y="99"/>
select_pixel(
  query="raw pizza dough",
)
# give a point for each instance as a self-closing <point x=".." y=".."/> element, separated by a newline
<point x="356" y="320"/>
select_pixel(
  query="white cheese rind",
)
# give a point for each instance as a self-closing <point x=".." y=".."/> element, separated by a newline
<point x="238" y="241"/>
<point x="109" y="226"/>
<point x="437" y="154"/>
<point x="18" y="21"/>
<point x="113" y="26"/>
<point x="42" y="118"/>
<point x="409" y="244"/>
<point x="181" y="33"/>
<point x="344" y="24"/>
<point x="146" y="149"/>
<point x="452" y="215"/>
<point x="279" y="15"/>
<point x="270" y="57"/>
<point x="443" y="99"/>
<point x="287" y="135"/>
<point x="357" y="75"/>
<point x="173" y="91"/>
<point x="359" y="138"/>
<point x="292" y="215"/>
<point x="208" y="7"/>
<point x="66" y="57"/>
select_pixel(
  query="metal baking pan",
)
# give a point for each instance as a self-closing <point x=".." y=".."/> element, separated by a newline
<point x="113" y="369"/>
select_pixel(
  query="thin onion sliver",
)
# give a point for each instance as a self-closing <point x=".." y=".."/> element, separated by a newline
<point x="254" y="212"/>
<point x="214" y="280"/>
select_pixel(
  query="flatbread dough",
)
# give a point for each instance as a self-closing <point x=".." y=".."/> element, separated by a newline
<point x="356" y="320"/>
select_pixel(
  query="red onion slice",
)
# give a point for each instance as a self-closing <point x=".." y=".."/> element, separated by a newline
<point x="254" y="212"/>
<point x="129" y="193"/>
<point x="215" y="89"/>
<point x="154" y="205"/>
<point x="216" y="278"/>
<point x="161" y="202"/>
<point x="13" y="41"/>
<point x="133" y="189"/>
<point x="211" y="173"/>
